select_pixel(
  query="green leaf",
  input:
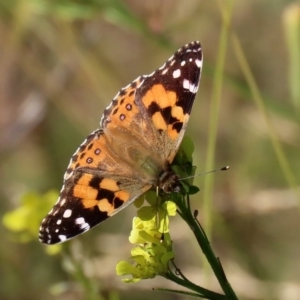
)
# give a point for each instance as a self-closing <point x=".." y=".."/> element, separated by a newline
<point x="146" y="213"/>
<point x="151" y="198"/>
<point x="193" y="190"/>
<point x="139" y="201"/>
<point x="187" y="147"/>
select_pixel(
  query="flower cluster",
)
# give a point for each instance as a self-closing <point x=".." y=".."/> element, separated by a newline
<point x="150" y="234"/>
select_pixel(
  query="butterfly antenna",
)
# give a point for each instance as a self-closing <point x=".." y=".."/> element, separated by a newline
<point x="202" y="174"/>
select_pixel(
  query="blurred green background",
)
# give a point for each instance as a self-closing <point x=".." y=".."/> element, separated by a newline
<point x="61" y="63"/>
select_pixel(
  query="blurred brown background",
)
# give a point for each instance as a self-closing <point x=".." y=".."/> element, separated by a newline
<point x="61" y="63"/>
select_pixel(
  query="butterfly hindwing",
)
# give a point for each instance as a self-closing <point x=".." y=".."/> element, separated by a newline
<point x="95" y="188"/>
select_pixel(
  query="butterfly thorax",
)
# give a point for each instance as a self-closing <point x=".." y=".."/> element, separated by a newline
<point x="168" y="181"/>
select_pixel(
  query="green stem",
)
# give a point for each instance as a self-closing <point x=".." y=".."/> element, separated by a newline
<point x="204" y="244"/>
<point x="189" y="285"/>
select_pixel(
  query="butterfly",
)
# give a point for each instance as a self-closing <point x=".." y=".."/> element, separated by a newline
<point x="141" y="131"/>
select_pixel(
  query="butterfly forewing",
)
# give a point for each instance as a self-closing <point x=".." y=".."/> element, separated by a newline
<point x="167" y="97"/>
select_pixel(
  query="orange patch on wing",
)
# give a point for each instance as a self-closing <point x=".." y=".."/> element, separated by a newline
<point x="159" y="121"/>
<point x="177" y="112"/>
<point x="172" y="133"/>
<point x="85" y="192"/>
<point x="109" y="184"/>
<point x="160" y="95"/>
<point x="84" y="179"/>
<point x="122" y="195"/>
<point x="105" y="206"/>
<point x="89" y="203"/>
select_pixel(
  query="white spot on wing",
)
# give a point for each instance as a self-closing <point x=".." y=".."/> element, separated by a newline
<point x="110" y="104"/>
<point x="67" y="213"/>
<point x="162" y="67"/>
<point x="189" y="86"/>
<point x="176" y="73"/>
<point x="127" y="86"/>
<point x="171" y="58"/>
<point x="196" y="89"/>
<point x="192" y="88"/>
<point x="151" y="74"/>
<point x="183" y="63"/>
<point x="198" y="63"/>
<point x="82" y="224"/>
<point x="186" y="84"/>
<point x="80" y="220"/>
<point x="58" y="222"/>
<point x="62" y="237"/>
<point x="63" y="201"/>
<point x="68" y="174"/>
<point x="85" y="226"/>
